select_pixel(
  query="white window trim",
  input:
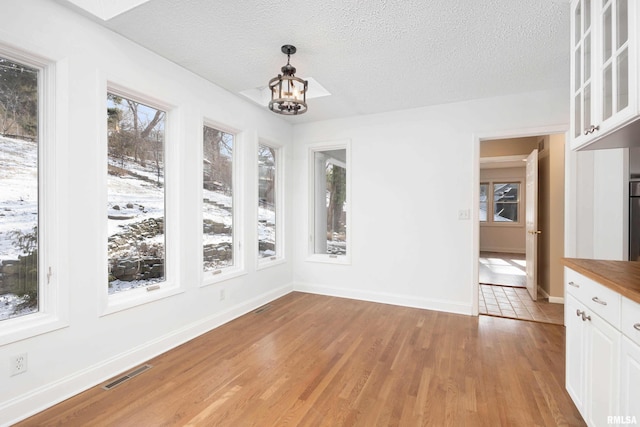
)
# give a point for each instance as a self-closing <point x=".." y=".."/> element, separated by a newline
<point x="239" y="184"/>
<point x="52" y="129"/>
<point x="312" y="149"/>
<point x="114" y="303"/>
<point x="490" y="222"/>
<point x="279" y="257"/>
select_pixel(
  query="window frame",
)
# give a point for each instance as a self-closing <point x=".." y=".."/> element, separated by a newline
<point x="109" y="304"/>
<point x="53" y="305"/>
<point x="208" y="278"/>
<point x="279" y="257"/>
<point x="344" y="144"/>
<point x="490" y="202"/>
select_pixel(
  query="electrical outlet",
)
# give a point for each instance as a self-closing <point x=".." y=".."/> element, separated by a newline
<point x="223" y="294"/>
<point x="18" y="364"/>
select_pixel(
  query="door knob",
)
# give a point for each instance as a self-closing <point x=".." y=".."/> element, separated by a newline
<point x="534" y="232"/>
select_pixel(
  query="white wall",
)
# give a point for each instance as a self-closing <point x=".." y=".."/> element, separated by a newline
<point x="412" y="171"/>
<point x="505" y="237"/>
<point x="93" y="348"/>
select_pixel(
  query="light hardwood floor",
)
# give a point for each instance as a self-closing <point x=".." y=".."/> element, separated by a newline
<point x="310" y="360"/>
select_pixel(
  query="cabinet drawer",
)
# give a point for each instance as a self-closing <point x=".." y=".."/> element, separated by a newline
<point x="596" y="297"/>
<point x="576" y="284"/>
<point x="630" y="320"/>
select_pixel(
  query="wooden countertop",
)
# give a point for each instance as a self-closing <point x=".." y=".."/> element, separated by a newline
<point x="620" y="276"/>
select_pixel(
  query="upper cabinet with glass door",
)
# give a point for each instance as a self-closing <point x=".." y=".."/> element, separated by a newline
<point x="604" y="72"/>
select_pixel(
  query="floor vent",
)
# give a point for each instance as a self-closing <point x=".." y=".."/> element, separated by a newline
<point x="263" y="308"/>
<point x="126" y="377"/>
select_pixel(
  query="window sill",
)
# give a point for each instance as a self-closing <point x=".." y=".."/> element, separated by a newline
<point x="269" y="262"/>
<point x="129" y="299"/>
<point x="28" y="326"/>
<point x="330" y="259"/>
<point x="211" y="279"/>
<point x="502" y="224"/>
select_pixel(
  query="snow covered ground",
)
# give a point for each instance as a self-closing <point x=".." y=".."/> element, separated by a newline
<point x="133" y="196"/>
<point x="18" y="191"/>
<point x="18" y="205"/>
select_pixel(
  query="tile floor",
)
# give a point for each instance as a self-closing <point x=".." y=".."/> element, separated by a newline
<point x="503" y="291"/>
<point x="504" y="301"/>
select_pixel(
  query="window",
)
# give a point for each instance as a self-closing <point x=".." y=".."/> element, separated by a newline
<point x="330" y="196"/>
<point x="505" y="208"/>
<point x="506" y="201"/>
<point x="135" y="194"/>
<point x="268" y="197"/>
<point x="218" y="211"/>
<point x="484" y="194"/>
<point x="20" y="234"/>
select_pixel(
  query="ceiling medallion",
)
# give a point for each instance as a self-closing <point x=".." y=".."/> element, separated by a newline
<point x="288" y="92"/>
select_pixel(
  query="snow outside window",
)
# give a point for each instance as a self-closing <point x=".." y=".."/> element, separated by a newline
<point x="217" y="207"/>
<point x="506" y="201"/>
<point x="20" y="236"/>
<point x="484" y="194"/>
<point x="267" y="193"/>
<point x="135" y="194"/>
<point x="505" y="206"/>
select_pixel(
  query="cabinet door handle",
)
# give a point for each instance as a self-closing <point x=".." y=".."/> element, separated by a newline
<point x="598" y="300"/>
<point x="585" y="317"/>
<point x="591" y="129"/>
<point x="578" y="312"/>
<point x="637" y="326"/>
<point x="575" y="285"/>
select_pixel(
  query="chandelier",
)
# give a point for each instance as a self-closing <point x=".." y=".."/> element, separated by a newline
<point x="288" y="92"/>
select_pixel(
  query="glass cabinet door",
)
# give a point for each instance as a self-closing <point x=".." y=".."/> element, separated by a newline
<point x="582" y="63"/>
<point x="614" y="56"/>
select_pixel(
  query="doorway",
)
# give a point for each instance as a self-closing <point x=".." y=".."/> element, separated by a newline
<point x="514" y="248"/>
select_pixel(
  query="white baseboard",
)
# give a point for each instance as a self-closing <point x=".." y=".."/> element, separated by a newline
<point x="543" y="292"/>
<point x="503" y="250"/>
<point x="386" y="298"/>
<point x="28" y="404"/>
<point x="554" y="300"/>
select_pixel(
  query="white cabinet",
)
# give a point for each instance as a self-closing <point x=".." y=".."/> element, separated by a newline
<point x="592" y="363"/>
<point x="575" y="354"/>
<point x="630" y="381"/>
<point x="592" y="321"/>
<point x="604" y="68"/>
<point x="630" y="362"/>
<point x="602" y="367"/>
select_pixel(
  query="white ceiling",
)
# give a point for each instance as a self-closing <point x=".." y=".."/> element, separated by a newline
<point x="372" y="55"/>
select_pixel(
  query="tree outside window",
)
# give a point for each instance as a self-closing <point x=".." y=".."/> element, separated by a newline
<point x="266" y="201"/>
<point x="135" y="194"/>
<point x="217" y="214"/>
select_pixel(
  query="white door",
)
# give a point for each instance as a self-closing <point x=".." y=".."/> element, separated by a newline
<point x="630" y="379"/>
<point x="531" y="220"/>
<point x="575" y="352"/>
<point x="603" y="369"/>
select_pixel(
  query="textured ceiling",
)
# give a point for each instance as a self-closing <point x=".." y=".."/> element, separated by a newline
<point x="372" y="55"/>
